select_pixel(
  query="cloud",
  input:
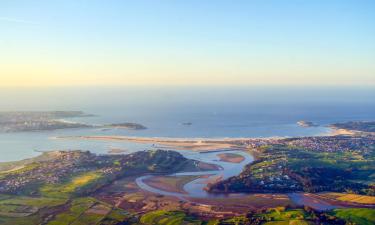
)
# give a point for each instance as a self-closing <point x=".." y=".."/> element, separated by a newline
<point x="14" y="20"/>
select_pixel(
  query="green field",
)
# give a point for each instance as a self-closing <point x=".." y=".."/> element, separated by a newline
<point x="168" y="218"/>
<point x="238" y="220"/>
<point x="19" y="210"/>
<point x="288" y="222"/>
<point x="89" y="211"/>
<point x="358" y="216"/>
<point x="74" y="185"/>
<point x="280" y="216"/>
<point x="79" y="211"/>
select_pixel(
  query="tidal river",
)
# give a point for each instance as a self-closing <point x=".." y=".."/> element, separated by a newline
<point x="196" y="187"/>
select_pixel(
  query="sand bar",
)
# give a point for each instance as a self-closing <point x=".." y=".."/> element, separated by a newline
<point x="231" y="157"/>
<point x="193" y="144"/>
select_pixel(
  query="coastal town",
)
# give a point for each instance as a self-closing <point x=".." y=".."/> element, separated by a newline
<point x="302" y="164"/>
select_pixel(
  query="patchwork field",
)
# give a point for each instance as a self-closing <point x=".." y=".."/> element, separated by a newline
<point x="243" y="203"/>
<point x="89" y="211"/>
<point x="25" y="210"/>
<point x="280" y="216"/>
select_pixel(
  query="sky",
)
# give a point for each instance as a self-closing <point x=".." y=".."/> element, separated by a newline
<point x="195" y="42"/>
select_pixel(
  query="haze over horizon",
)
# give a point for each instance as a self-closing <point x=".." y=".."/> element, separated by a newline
<point x="72" y="42"/>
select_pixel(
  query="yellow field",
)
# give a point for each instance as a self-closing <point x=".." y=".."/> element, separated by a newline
<point x="65" y="189"/>
<point x="81" y="181"/>
<point x="363" y="199"/>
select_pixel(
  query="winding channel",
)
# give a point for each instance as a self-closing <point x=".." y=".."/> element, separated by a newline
<point x="196" y="187"/>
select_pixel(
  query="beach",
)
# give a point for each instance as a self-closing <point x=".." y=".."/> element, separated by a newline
<point x="192" y="144"/>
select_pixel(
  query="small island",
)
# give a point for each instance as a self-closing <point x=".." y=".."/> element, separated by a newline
<point x="131" y="126"/>
<point x="304" y="123"/>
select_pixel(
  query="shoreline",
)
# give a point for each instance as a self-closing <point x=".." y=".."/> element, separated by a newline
<point x="332" y="132"/>
<point x="175" y="143"/>
<point x="196" y="144"/>
<point x="191" y="144"/>
<point x="337" y="132"/>
<point x="167" y="139"/>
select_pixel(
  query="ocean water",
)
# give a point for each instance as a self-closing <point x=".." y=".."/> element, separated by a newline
<point x="214" y="112"/>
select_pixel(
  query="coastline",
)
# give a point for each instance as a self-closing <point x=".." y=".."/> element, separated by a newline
<point x="166" y="139"/>
<point x="197" y="144"/>
<point x="338" y="131"/>
<point x="175" y="185"/>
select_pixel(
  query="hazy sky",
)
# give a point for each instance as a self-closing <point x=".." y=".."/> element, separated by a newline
<point x="193" y="42"/>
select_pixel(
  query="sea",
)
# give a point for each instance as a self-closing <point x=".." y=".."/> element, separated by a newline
<point x="211" y="111"/>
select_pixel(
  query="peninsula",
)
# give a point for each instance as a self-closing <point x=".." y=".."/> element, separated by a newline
<point x="304" y="123"/>
<point x="26" y="121"/>
<point x="23" y="121"/>
<point x="127" y="125"/>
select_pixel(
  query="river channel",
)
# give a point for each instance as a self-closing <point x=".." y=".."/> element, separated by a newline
<point x="196" y="187"/>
